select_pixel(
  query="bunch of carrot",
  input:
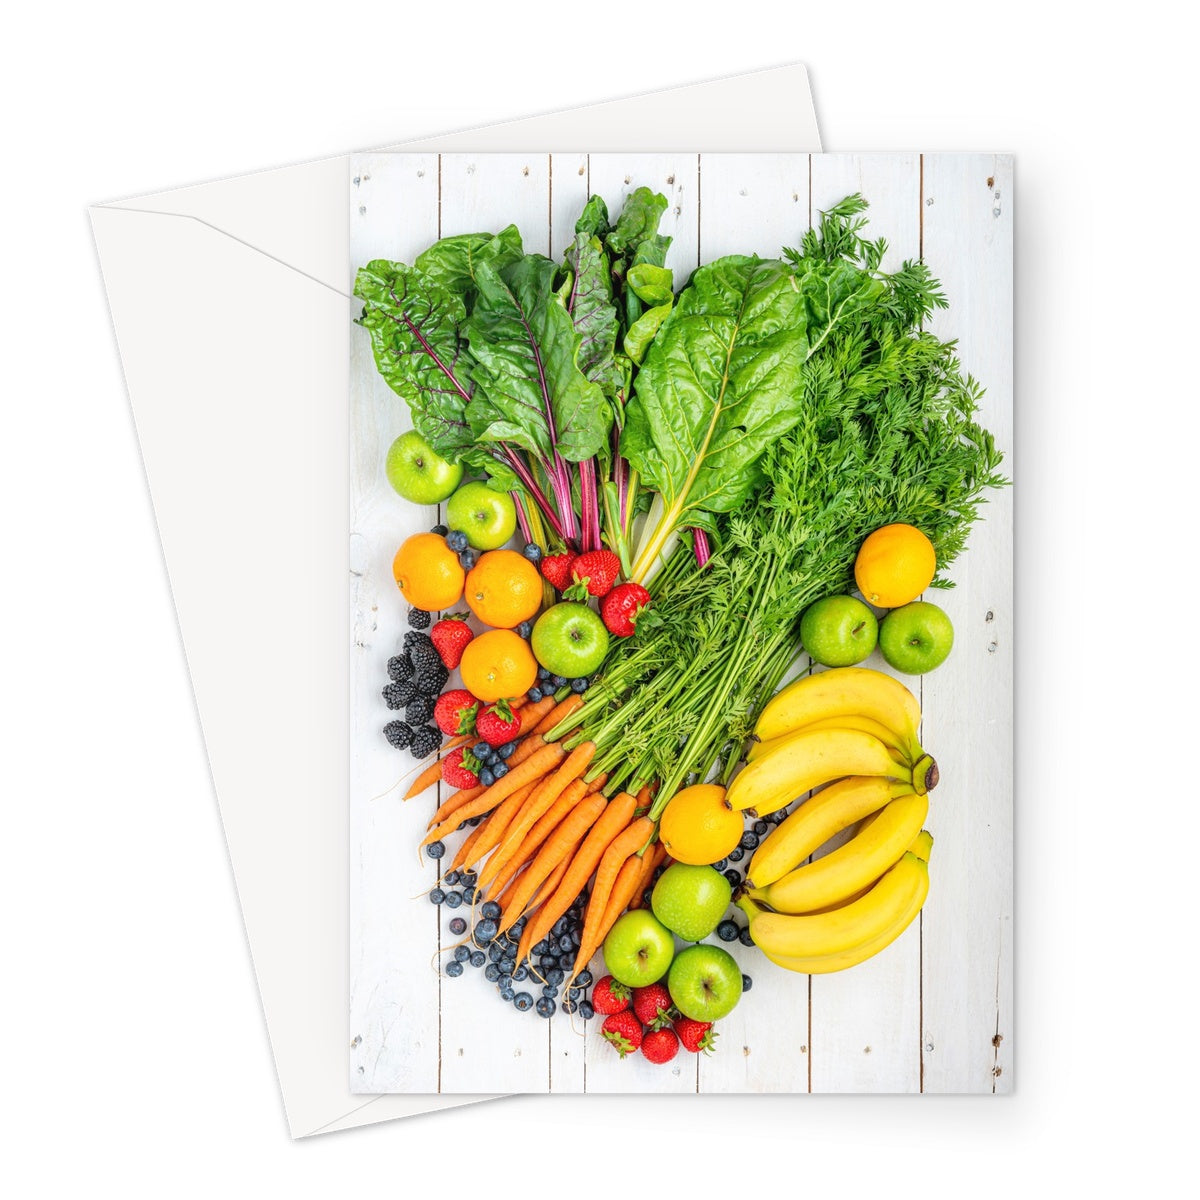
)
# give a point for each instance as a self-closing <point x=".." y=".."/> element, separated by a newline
<point x="548" y="834"/>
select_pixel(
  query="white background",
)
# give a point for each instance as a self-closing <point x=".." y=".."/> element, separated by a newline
<point x="134" y="1050"/>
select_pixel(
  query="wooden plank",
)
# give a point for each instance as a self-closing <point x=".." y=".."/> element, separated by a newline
<point x="569" y="191"/>
<point x="756" y="204"/>
<point x="394" y="1005"/>
<point x="967" y="922"/>
<point x="866" y="1021"/>
<point x="487" y="1045"/>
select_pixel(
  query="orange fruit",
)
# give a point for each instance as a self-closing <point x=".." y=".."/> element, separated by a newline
<point x="503" y="589"/>
<point x="498" y="665"/>
<point x="895" y="565"/>
<point x="698" y="826"/>
<point x="428" y="572"/>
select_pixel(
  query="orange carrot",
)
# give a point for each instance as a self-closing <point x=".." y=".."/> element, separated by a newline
<point x="496" y="824"/>
<point x="559" y="713"/>
<point x="533" y="768"/>
<point x="598" y="782"/>
<point x="468" y="844"/>
<point x="558" y="845"/>
<point x="626" y="844"/>
<point x="453" y="802"/>
<point x="526" y="747"/>
<point x="426" y="779"/>
<point x="616" y="816"/>
<point x="542" y="799"/>
<point x="531" y="714"/>
<point x="650" y="862"/>
<point x="501" y="873"/>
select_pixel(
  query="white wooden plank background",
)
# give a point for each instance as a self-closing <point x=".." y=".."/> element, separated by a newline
<point x="933" y="1013"/>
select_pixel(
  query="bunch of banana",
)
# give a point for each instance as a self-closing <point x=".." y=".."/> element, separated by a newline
<point x="833" y="938"/>
<point x="848" y="721"/>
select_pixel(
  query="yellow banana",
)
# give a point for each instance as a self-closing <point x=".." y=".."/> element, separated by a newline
<point x="843" y="692"/>
<point x="810" y="758"/>
<point x="921" y="846"/>
<point x="853" y="865"/>
<point x="814" y="822"/>
<point x="868" y="919"/>
<point x="901" y="746"/>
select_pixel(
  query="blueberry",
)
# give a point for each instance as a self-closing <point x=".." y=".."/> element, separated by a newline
<point x="569" y="1005"/>
<point x="761" y="827"/>
<point x="744" y="936"/>
<point x="506" y="993"/>
<point x="451" y="878"/>
<point x="467" y="559"/>
<point x="733" y="876"/>
<point x="546" y="1007"/>
<point x="462" y="953"/>
<point x="435" y="849"/>
<point x="520" y="974"/>
<point x="749" y="840"/>
<point x="498" y="768"/>
<point x="505" y="750"/>
<point x="436" y="896"/>
<point x="485" y="931"/>
<point x="486" y="777"/>
<point x="747" y="983"/>
<point x="533" y="552"/>
<point x="469" y="878"/>
<point x="559" y="927"/>
<point x="579" y="685"/>
<point x="534" y="694"/>
<point x="647" y="893"/>
<point x="586" y="1011"/>
<point x="468" y="895"/>
<point x="565" y="943"/>
<point x="478" y="958"/>
<point x="574" y="993"/>
<point x="584" y="979"/>
<point x="524" y="629"/>
<point x="453" y="899"/>
<point x="737" y="854"/>
<point x="440" y="529"/>
<point x="541" y="948"/>
<point x="457" y="541"/>
<point x="555" y="976"/>
<point x="480" y="750"/>
<point x="508" y="962"/>
<point x="454" y="969"/>
<point x="458" y="925"/>
<point x="720" y="864"/>
<point x="727" y="931"/>
<point x="523" y="1002"/>
<point x="491" y="911"/>
<point x="550" y="991"/>
<point x="496" y="951"/>
<point x="543" y="673"/>
<point x="491" y="972"/>
<point x="558" y="680"/>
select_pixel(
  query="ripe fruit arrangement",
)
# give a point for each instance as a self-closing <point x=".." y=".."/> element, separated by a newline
<point x="852" y="733"/>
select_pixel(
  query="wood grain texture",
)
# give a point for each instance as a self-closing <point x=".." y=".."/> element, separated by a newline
<point x="933" y="1012"/>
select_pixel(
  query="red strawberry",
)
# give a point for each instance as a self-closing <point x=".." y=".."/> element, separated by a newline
<point x="557" y="569"/>
<point x="660" y="1045"/>
<point x="593" y="574"/>
<point x="696" y="1036"/>
<point x="497" y="723"/>
<point x="652" y="1004"/>
<point x="450" y="636"/>
<point x="609" y="996"/>
<point x="455" y="712"/>
<point x="623" y="1030"/>
<point x="622" y="606"/>
<point x="459" y="768"/>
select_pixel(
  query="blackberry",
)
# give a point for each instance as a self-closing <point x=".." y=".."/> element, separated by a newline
<point x="727" y="931"/>
<point x="397" y="695"/>
<point x="400" y="667"/>
<point x="414" y="637"/>
<point x="456" y="540"/>
<point x="429" y="672"/>
<point x="425" y="740"/>
<point x="458" y="926"/>
<point x="399" y="734"/>
<point x="418" y="618"/>
<point x="533" y="552"/>
<point x="419" y="710"/>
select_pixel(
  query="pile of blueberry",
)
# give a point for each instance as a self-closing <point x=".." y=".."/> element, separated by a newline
<point x="417" y="677"/>
<point x="548" y="684"/>
<point x="544" y="973"/>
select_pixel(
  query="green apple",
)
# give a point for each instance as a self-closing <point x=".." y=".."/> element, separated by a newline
<point x="705" y="982"/>
<point x="569" y="639"/>
<point x="486" y="516"/>
<point x="916" y="637"/>
<point x="690" y="900"/>
<point x="639" y="949"/>
<point x="838" y="631"/>
<point x="418" y="472"/>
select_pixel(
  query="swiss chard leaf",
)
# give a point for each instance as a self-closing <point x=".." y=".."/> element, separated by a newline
<point x="590" y="305"/>
<point x="652" y="285"/>
<point x="641" y="332"/>
<point x="638" y="222"/>
<point x="529" y="388"/>
<point x="452" y="261"/>
<point x="414" y="327"/>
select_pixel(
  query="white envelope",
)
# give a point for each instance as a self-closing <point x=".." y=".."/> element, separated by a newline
<point x="239" y="388"/>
